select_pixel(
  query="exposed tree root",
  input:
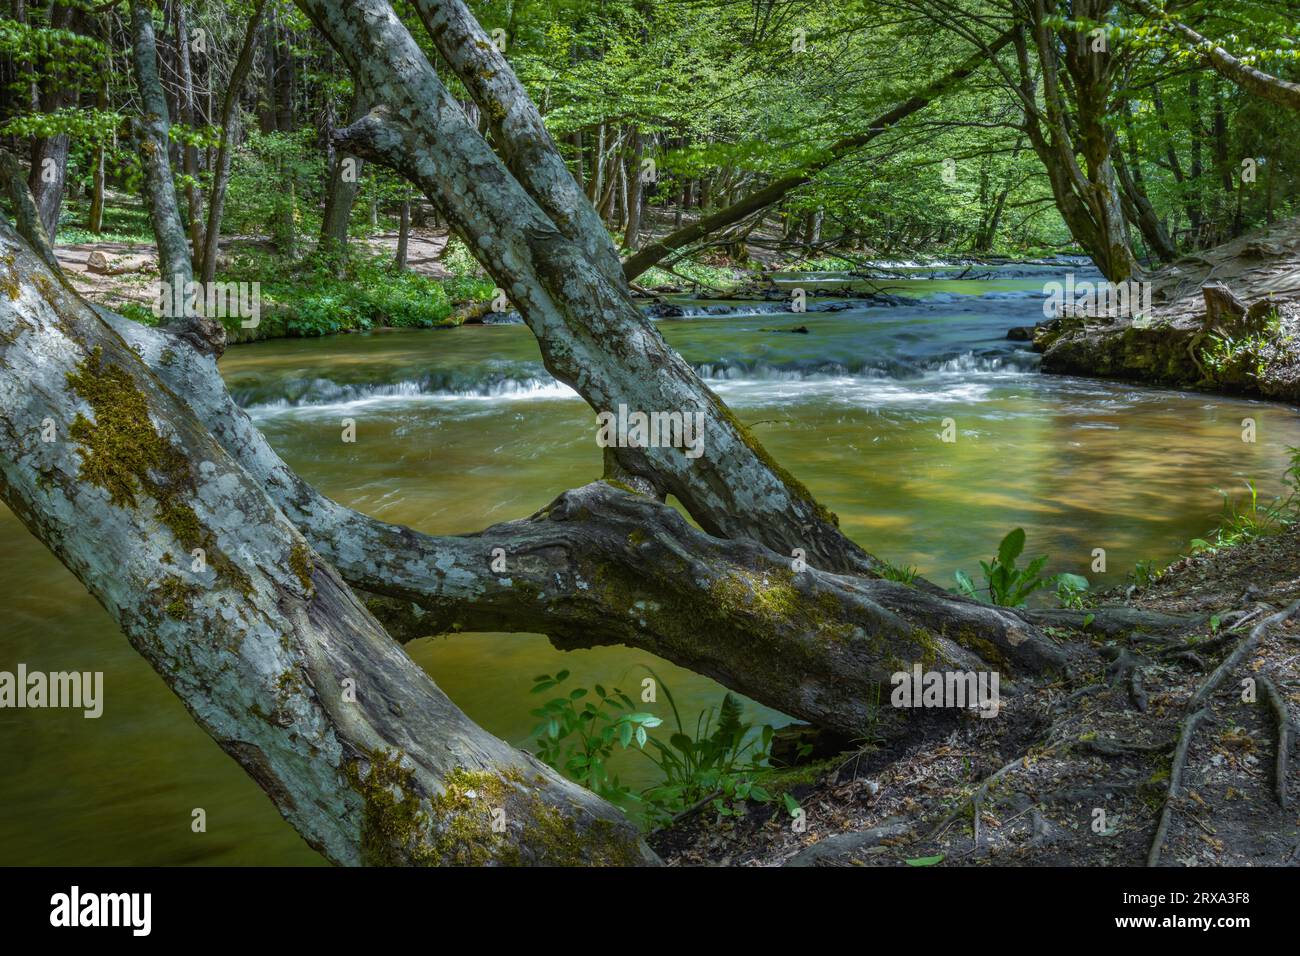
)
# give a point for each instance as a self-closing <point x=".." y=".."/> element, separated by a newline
<point x="1113" y="621"/>
<point x="1198" y="708"/>
<point x="1120" y="748"/>
<point x="1277" y="704"/>
<point x="976" y="803"/>
<point x="1126" y="669"/>
<point x="1175" y="780"/>
<point x="1239" y="654"/>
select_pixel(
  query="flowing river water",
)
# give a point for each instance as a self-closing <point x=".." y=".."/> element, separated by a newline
<point x="459" y="429"/>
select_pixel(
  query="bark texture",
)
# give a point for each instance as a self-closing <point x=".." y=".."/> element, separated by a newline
<point x="266" y="646"/>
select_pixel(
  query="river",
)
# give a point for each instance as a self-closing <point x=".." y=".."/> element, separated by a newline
<point x="459" y="429"/>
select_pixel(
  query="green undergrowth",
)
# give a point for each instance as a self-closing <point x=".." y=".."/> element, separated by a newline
<point x="715" y="761"/>
<point x="325" y="295"/>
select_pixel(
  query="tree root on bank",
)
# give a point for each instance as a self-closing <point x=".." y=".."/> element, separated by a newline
<point x="1198" y="708"/>
<point x="1277" y="704"/>
<point x="1126" y="669"/>
<point x="1239" y="654"/>
<point x="1113" y="621"/>
<point x="1123" y="679"/>
<point x="1175" y="781"/>
<point x="976" y="803"/>
<point x="1120" y="748"/>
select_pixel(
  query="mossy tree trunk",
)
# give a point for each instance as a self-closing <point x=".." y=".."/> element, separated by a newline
<point x="153" y="460"/>
<point x="270" y="651"/>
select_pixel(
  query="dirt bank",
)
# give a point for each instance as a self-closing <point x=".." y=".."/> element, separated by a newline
<point x="1245" y="342"/>
<point x="1076" y="772"/>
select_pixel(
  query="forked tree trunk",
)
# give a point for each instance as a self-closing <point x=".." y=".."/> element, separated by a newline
<point x="153" y="461"/>
<point x="1069" y="132"/>
<point x="592" y="335"/>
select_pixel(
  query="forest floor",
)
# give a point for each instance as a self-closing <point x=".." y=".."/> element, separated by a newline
<point x="140" y="286"/>
<point x="1075" y="772"/>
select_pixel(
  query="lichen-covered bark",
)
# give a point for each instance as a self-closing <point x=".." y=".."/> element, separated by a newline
<point x="266" y="646"/>
<point x="518" y="130"/>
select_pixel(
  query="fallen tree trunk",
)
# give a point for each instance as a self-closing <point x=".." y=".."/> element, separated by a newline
<point x="265" y="645"/>
<point x="97" y="263"/>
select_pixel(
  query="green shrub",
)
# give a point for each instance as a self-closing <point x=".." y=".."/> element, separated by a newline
<point x="717" y="762"/>
<point x="1010" y="586"/>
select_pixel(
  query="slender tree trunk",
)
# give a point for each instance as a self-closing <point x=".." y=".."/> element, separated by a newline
<point x="631" y="235"/>
<point x="403" y="236"/>
<point x="95" y="218"/>
<point x="229" y="132"/>
<point x="1175" y="166"/>
<point x="190" y="153"/>
<point x="1198" y="165"/>
<point x="1137" y="205"/>
<point x="344" y="184"/>
<point x="159" y="189"/>
<point x="596" y="187"/>
<point x="49" y="155"/>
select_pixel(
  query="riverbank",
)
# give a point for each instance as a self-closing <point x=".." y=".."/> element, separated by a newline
<point x="306" y="297"/>
<point x="442" y="287"/>
<point x="1076" y="772"/>
<point x="1238" y="338"/>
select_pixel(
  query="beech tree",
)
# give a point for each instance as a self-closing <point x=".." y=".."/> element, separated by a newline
<point x="260" y="601"/>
